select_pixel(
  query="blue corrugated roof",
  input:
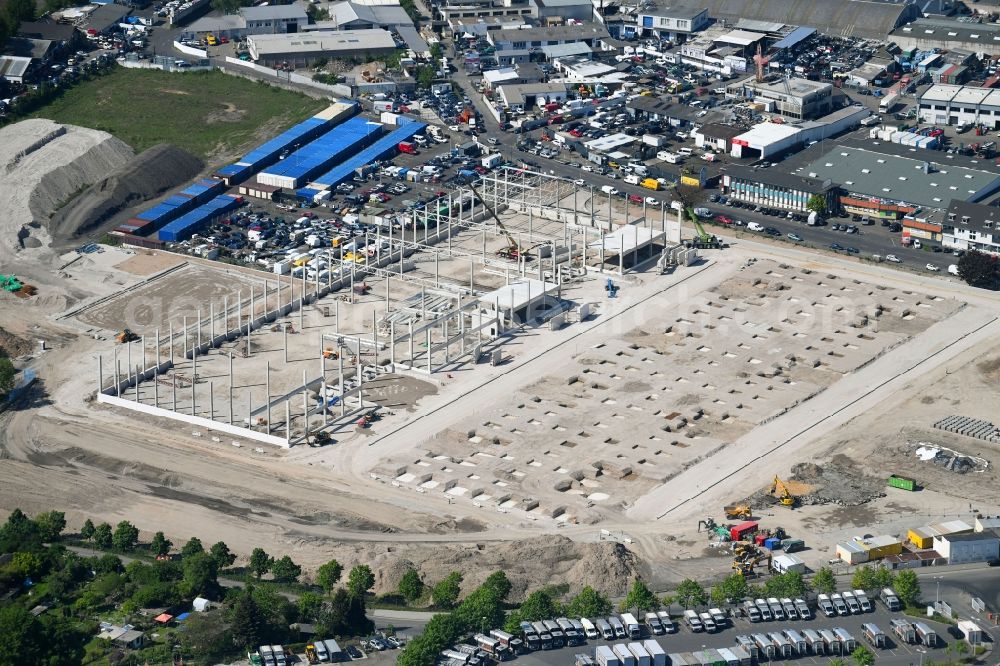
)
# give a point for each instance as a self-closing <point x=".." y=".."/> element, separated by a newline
<point x="334" y="145"/>
<point x="384" y="146"/>
<point x="230" y="169"/>
<point x="306" y="193"/>
<point x="793" y="38"/>
<point x="184" y="226"/>
<point x="297" y="134"/>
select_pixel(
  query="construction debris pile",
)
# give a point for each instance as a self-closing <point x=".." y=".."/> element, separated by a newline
<point x="838" y="481"/>
<point x="950" y="459"/>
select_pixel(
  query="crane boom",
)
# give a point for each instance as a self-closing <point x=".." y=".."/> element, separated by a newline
<point x="513" y="249"/>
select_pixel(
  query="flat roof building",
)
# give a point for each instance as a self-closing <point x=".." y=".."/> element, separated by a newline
<point x="943" y="104"/>
<point x="526" y="95"/>
<point x="797" y="98"/>
<point x="274" y="19"/>
<point x="537" y="37"/>
<point x="667" y="20"/>
<point x="776" y="189"/>
<point x="766" y="140"/>
<point x="936" y="32"/>
<point x="301" y="50"/>
<point x="900" y="176"/>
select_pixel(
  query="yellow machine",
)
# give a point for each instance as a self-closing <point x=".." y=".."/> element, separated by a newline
<point x="741" y="511"/>
<point x="779" y="490"/>
<point x="125" y="335"/>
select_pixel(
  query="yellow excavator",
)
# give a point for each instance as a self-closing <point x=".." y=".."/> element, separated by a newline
<point x="780" y="491"/>
<point x="513" y="250"/>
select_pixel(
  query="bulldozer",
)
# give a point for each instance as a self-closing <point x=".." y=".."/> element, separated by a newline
<point x="738" y="511"/>
<point x="331" y="354"/>
<point x="125" y="335"/>
<point x="780" y="491"/>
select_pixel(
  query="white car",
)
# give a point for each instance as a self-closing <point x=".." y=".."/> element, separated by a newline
<point x="579" y="182"/>
<point x="587" y="167"/>
<point x="492" y="141"/>
<point x="650" y="201"/>
<point x="893" y="258"/>
<point x="932" y="267"/>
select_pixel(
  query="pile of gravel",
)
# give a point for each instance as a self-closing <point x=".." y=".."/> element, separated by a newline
<point x="108" y="202"/>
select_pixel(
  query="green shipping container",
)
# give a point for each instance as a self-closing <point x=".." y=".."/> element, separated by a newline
<point x="902" y="482"/>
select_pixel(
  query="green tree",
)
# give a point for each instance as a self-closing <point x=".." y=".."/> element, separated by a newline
<point x="50" y="524"/>
<point x="7" y="374"/>
<point x="125" y="537"/>
<point x="260" y="562"/>
<point x="425" y="76"/>
<point x="788" y="584"/>
<point x="160" y="545"/>
<point x="816" y="204"/>
<point x="588" y="603"/>
<point x="108" y="563"/>
<point x="17" y="11"/>
<point x="192" y="547"/>
<point x="248" y="625"/>
<point x="733" y="589"/>
<point x="103" y="536"/>
<point x="19" y="533"/>
<point x="200" y="575"/>
<point x="907" y="586"/>
<point x="864" y="578"/>
<point x="445" y="593"/>
<point x="837" y="662"/>
<point x="824" y="581"/>
<point x="285" y="570"/>
<point x="641" y="598"/>
<point x="208" y="635"/>
<point x="410" y="585"/>
<point x="691" y="594"/>
<point x="226" y="6"/>
<point x="979" y="269"/>
<point x="539" y="605"/>
<point x="25" y="565"/>
<point x="222" y="556"/>
<point x="310" y="606"/>
<point x="436" y="52"/>
<point x="360" y="580"/>
<point x="21" y="639"/>
<point x="883" y="577"/>
<point x="87" y="531"/>
<point x="862" y="656"/>
<point x="328" y="575"/>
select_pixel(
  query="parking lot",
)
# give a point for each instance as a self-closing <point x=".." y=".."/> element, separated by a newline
<point x="684" y="640"/>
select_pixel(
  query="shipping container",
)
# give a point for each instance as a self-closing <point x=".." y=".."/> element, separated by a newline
<point x="741" y="531"/>
<point x="677" y="659"/>
<point x="741" y="653"/>
<point x="902" y="482"/>
<point x="642" y="657"/>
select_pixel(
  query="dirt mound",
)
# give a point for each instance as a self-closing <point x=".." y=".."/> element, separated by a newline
<point x="144" y="177"/>
<point x="608" y="567"/>
<point x="990" y="369"/>
<point x="838" y="481"/>
<point x="43" y="165"/>
<point x="12" y="345"/>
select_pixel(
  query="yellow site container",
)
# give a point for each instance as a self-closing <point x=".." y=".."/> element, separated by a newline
<point x="882" y="546"/>
<point x="920" y="537"/>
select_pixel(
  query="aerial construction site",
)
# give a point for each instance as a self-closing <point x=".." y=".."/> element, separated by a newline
<point x="530" y="359"/>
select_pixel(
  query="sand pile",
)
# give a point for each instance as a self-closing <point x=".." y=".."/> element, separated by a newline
<point x="42" y="166"/>
<point x="100" y="207"/>
<point x="12" y="345"/>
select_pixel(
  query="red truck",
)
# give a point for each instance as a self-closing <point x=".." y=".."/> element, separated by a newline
<point x="407" y="147"/>
<point x="741" y="531"/>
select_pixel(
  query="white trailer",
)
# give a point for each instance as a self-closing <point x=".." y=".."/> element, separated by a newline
<point x="656" y="654"/>
<point x="605" y="656"/>
<point x="642" y="657"/>
<point x="625" y="656"/>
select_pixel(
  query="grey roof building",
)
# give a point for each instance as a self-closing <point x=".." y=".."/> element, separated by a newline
<point x="899" y="174"/>
<point x="301" y="50"/>
<point x="971" y="226"/>
<point x="940" y="32"/>
<point x="274" y="19"/>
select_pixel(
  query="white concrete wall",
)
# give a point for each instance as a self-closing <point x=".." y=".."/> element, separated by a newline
<point x="197" y="421"/>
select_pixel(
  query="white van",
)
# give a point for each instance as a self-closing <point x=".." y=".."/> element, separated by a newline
<point x="686" y="151"/>
<point x="669" y="157"/>
<point x="632" y="179"/>
<point x="953" y="269"/>
<point x="755" y="226"/>
<point x="607" y="189"/>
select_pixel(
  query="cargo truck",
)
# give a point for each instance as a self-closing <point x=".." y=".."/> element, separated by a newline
<point x="749" y="645"/>
<point x="814" y="641"/>
<point x="515" y="645"/>
<point x="654" y="624"/>
<point x="831" y="641"/>
<point x="693" y="621"/>
<point x="825" y="605"/>
<point x="764" y="610"/>
<point x="582" y="660"/>
<point x="788" y="606"/>
<point x="847" y="642"/>
<point x="720" y="618"/>
<point x="890" y="599"/>
<point x="765" y="645"/>
<point x="642" y="657"/>
<point x="266" y="655"/>
<point x="708" y="622"/>
<point x="744" y="655"/>
<point x="589" y="629"/>
<point x="625" y="657"/>
<point x="492" y="161"/>
<point x="782" y="646"/>
<point x="544" y="637"/>
<point x="838" y="603"/>
<point x="605" y="656"/>
<point x="569" y="631"/>
<point x="631" y="626"/>
<point x="777" y="612"/>
<point x="320" y="649"/>
<point x="656" y="654"/>
<point x="581" y="635"/>
<point x="873" y="635"/>
<point x="903" y="629"/>
<point x="925" y="634"/>
<point x="852" y="603"/>
<point x="491" y="646"/>
<point x="863" y="601"/>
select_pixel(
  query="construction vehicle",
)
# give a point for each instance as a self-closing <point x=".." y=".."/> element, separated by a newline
<point x="311" y="654"/>
<point x="702" y="239"/>
<point x="741" y="511"/>
<point x="125" y="336"/>
<point x="513" y="250"/>
<point x="369" y="418"/>
<point x="714" y="529"/>
<point x="331" y="354"/>
<point x="746" y="557"/>
<point x="780" y="491"/>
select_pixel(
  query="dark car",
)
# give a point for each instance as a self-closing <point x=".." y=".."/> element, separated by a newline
<point x="353" y="652"/>
<point x="836" y="247"/>
<point x="771" y="231"/>
<point x="853" y="250"/>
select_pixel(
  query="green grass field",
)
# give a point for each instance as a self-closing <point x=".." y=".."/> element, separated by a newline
<point x="210" y="114"/>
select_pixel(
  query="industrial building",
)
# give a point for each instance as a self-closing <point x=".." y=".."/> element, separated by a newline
<point x="971" y="226"/>
<point x="939" y="32"/>
<point x="772" y="188"/>
<point x="892" y="180"/>
<point x="966" y="548"/>
<point x="534" y="38"/>
<point x="860" y="550"/>
<point x="301" y="50"/>
<point x="528" y="95"/>
<point x="270" y="152"/>
<point x="669" y="21"/>
<point x="944" y="104"/>
<point x="274" y="19"/>
<point x="715" y="136"/>
<point x="796" y="98"/>
<point x="766" y="140"/>
<point x="923" y="537"/>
